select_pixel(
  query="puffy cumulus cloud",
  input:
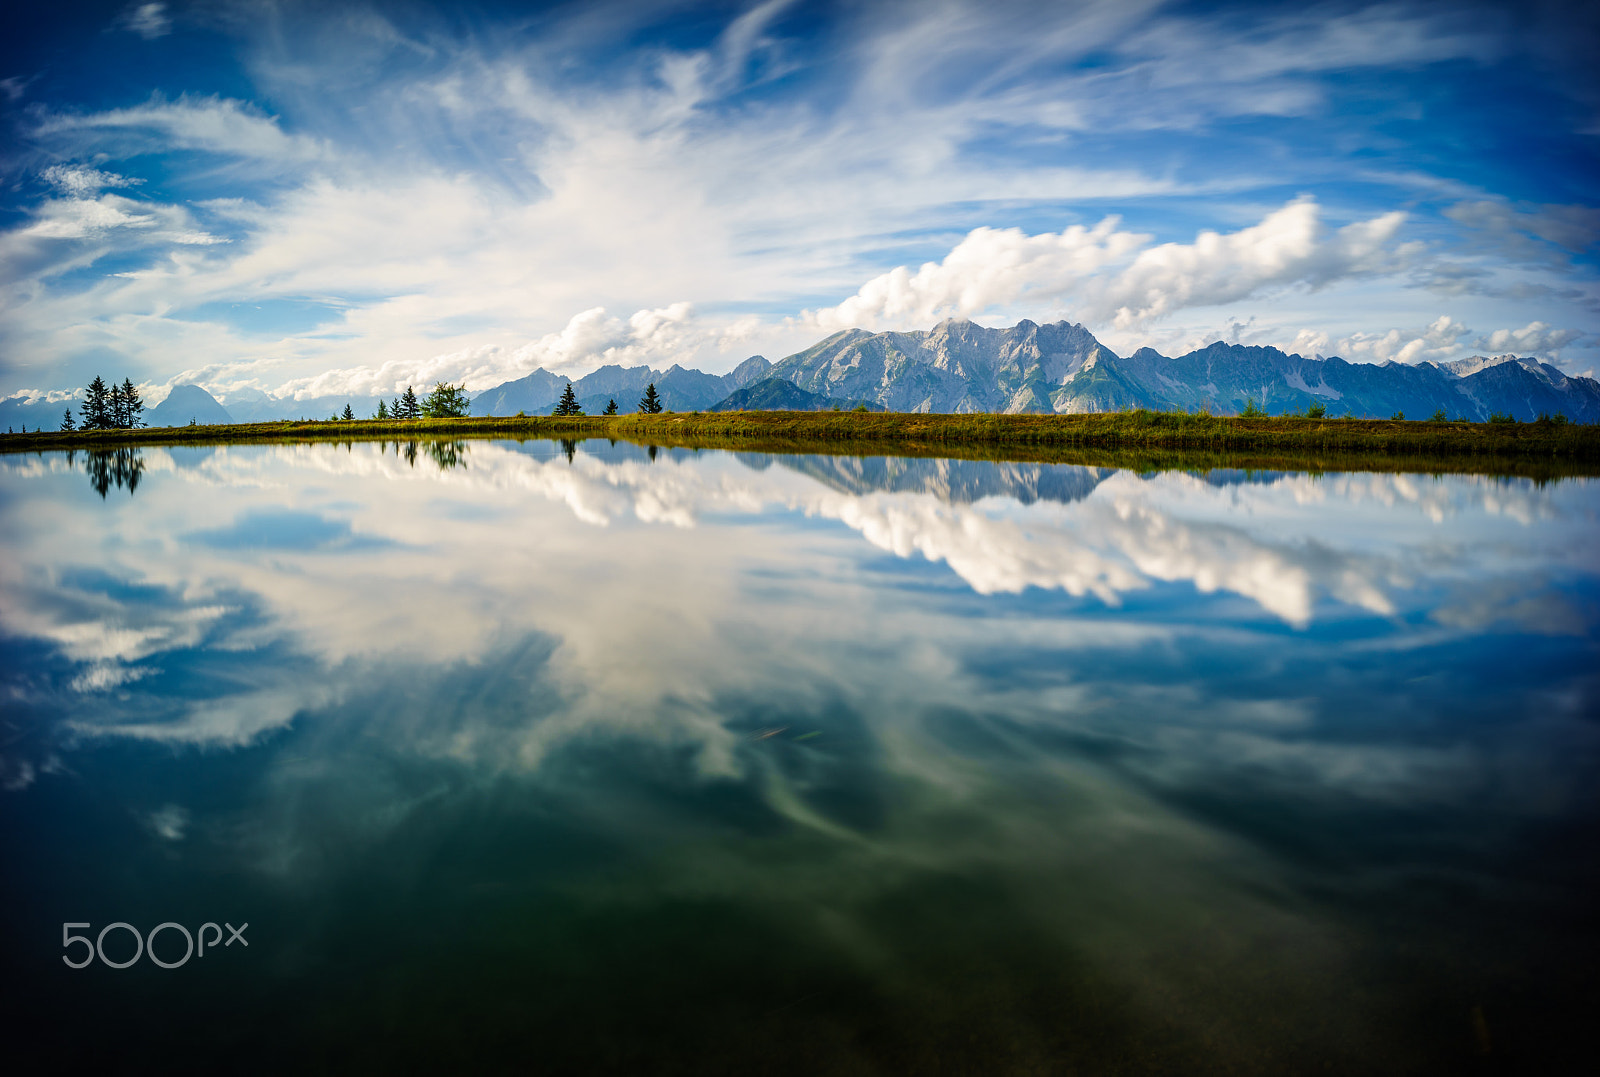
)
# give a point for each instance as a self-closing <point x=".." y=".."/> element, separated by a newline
<point x="47" y="396"/>
<point x="1289" y="247"/>
<point x="990" y="267"/>
<point x="1442" y="339"/>
<point x="1311" y="342"/>
<point x="590" y="339"/>
<point x="1531" y="234"/>
<point x="1114" y="277"/>
<point x="1533" y="339"/>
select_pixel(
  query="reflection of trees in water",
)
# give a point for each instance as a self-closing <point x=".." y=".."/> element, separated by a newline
<point x="570" y="447"/>
<point x="446" y="455"/>
<point x="113" y="467"/>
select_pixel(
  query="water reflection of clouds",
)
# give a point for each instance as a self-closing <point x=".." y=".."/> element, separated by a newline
<point x="653" y="577"/>
<point x="1113" y="688"/>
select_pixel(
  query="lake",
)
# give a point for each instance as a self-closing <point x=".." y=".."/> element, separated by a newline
<point x="596" y="757"/>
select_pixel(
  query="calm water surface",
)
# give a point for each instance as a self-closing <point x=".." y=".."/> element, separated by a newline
<point x="588" y="758"/>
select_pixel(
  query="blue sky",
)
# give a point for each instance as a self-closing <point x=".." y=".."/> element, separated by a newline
<point x="322" y="199"/>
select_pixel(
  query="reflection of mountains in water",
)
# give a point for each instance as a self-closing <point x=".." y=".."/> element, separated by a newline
<point x="952" y="481"/>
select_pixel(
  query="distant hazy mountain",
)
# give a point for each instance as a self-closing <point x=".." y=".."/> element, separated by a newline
<point x="529" y="395"/>
<point x="680" y="388"/>
<point x="185" y="404"/>
<point x="20" y="414"/>
<point x="776" y="394"/>
<point x="1224" y="377"/>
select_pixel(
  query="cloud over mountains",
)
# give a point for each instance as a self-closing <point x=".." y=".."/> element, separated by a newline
<point x="344" y="197"/>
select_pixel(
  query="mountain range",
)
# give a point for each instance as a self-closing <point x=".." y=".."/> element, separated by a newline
<point x="959" y="366"/>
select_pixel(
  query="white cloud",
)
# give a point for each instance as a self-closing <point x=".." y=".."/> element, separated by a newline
<point x="1533" y="339"/>
<point x="79" y="181"/>
<point x="487" y="189"/>
<point x="102" y="676"/>
<point x="149" y="21"/>
<point x="48" y="396"/>
<point x="1438" y="341"/>
<point x="1091" y="270"/>
<point x="1289" y="247"/>
<point x="990" y="267"/>
<point x="75" y="232"/>
<point x="1443" y="339"/>
<point x="215" y="124"/>
<point x="75" y="218"/>
<point x="590" y="339"/>
<point x="169" y="822"/>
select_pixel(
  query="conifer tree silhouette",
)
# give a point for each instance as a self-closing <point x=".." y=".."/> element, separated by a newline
<point x="97" y="405"/>
<point x="568" y="404"/>
<point x="132" y="407"/>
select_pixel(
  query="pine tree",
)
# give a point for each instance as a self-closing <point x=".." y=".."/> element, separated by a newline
<point x="650" y="403"/>
<point x="349" y="416"/>
<point x="568" y="404"/>
<point x="408" y="407"/>
<point x="97" y="406"/>
<point x="132" y="406"/>
<point x="611" y="407"/>
<point x="66" y="420"/>
<point x="383" y="411"/>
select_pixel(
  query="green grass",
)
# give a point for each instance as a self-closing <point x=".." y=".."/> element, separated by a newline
<point x="1130" y="437"/>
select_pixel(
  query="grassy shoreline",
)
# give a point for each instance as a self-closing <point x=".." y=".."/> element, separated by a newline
<point x="1288" y="442"/>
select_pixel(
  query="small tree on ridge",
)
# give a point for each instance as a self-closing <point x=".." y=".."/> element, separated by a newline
<point x="96" y="406"/>
<point x="568" y="404"/>
<point x="132" y="406"/>
<point x="446" y="401"/>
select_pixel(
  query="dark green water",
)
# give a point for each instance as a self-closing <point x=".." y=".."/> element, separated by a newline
<point x="584" y="758"/>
